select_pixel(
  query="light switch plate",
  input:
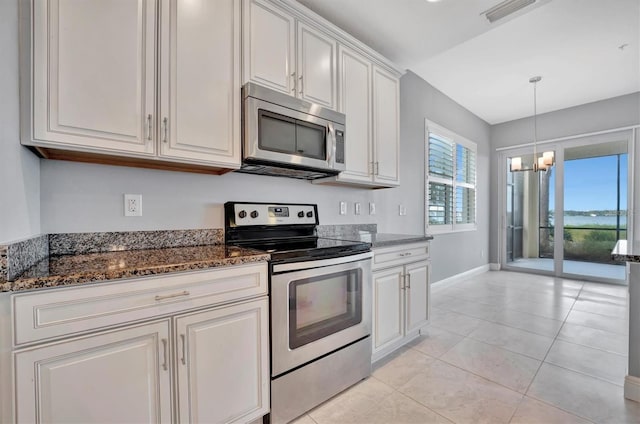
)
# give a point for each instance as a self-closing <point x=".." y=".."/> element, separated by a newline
<point x="343" y="208"/>
<point x="357" y="208"/>
<point x="402" y="210"/>
<point x="372" y="208"/>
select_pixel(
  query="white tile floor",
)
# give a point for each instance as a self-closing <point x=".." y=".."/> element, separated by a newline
<point x="503" y="347"/>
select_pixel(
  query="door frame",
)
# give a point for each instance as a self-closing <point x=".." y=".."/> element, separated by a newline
<point x="559" y="147"/>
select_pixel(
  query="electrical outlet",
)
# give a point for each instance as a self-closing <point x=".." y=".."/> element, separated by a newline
<point x="372" y="208"/>
<point x="133" y="205"/>
<point x="343" y="208"/>
<point x="357" y="208"/>
<point x="402" y="210"/>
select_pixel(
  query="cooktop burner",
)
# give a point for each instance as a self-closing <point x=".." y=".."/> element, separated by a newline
<point x="286" y="231"/>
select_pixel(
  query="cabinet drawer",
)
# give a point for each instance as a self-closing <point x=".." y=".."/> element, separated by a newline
<point x="399" y="254"/>
<point x="64" y="311"/>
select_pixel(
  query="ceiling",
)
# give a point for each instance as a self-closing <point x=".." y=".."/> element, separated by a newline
<point x="585" y="50"/>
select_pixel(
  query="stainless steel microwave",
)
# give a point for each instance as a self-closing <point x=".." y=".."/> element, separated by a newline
<point x="290" y="137"/>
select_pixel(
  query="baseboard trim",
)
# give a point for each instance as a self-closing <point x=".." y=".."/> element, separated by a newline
<point x="458" y="277"/>
<point x="632" y="388"/>
<point x="494" y="267"/>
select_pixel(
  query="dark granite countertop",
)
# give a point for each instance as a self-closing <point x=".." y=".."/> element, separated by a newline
<point x="91" y="267"/>
<point x="624" y="252"/>
<point x="388" y="239"/>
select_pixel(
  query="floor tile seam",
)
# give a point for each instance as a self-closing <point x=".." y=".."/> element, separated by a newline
<point x="538" y="315"/>
<point x="528" y="331"/>
<point x="487" y="378"/>
<point x="522" y="395"/>
<point x="602" y="315"/>
<point x="560" y="408"/>
<point x="425" y="406"/>
<point x="459" y="334"/>
<point x="591" y="347"/>
<point x="548" y="350"/>
<point x="583" y="373"/>
<point x="511" y="326"/>
<point x="505" y="348"/>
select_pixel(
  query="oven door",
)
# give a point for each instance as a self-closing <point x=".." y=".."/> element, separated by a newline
<point x="318" y="307"/>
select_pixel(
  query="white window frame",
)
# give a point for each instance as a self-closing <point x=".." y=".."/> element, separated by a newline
<point x="432" y="127"/>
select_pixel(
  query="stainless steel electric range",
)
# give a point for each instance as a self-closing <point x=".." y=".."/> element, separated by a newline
<point x="320" y="297"/>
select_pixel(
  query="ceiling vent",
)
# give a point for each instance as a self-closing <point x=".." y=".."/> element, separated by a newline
<point x="505" y="8"/>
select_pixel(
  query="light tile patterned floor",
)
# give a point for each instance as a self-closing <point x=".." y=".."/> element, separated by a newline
<point x="503" y="347"/>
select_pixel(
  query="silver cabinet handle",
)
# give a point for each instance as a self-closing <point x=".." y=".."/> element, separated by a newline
<point x="377" y="168"/>
<point x="403" y="279"/>
<point x="293" y="75"/>
<point x="301" y="83"/>
<point x="164" y="350"/>
<point x="165" y="125"/>
<point x="183" y="360"/>
<point x="149" y="129"/>
<point x="169" y="296"/>
<point x="408" y="279"/>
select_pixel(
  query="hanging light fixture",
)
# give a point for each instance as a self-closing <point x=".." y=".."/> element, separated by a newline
<point x="546" y="160"/>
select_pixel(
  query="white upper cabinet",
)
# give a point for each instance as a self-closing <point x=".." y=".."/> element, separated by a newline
<point x="272" y="59"/>
<point x="355" y="103"/>
<point x="200" y="81"/>
<point x="157" y="82"/>
<point x="369" y="97"/>
<point x="316" y="70"/>
<point x="93" y="73"/>
<point x="269" y="50"/>
<point x="386" y="127"/>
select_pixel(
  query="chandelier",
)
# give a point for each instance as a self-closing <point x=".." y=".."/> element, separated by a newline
<point x="544" y="161"/>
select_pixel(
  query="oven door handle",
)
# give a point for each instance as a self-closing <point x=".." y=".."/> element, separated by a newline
<point x="296" y="266"/>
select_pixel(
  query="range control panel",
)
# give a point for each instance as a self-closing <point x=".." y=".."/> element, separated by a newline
<point x="274" y="214"/>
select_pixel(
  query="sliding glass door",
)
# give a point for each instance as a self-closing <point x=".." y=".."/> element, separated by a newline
<point x="566" y="220"/>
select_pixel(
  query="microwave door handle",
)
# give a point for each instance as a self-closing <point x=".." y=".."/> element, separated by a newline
<point x="331" y="144"/>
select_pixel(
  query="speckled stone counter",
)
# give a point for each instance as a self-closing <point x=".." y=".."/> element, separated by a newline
<point x="91" y="267"/>
<point x="622" y="252"/>
<point x="627" y="252"/>
<point x="387" y="239"/>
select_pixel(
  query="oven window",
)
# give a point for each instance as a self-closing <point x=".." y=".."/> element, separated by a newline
<point x="323" y="305"/>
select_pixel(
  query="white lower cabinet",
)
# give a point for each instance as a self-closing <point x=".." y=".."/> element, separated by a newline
<point x="223" y="365"/>
<point x="400" y="297"/>
<point x="119" y="376"/>
<point x="193" y="363"/>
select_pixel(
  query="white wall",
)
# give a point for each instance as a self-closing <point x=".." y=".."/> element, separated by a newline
<point x="603" y="115"/>
<point x="453" y="253"/>
<point x="19" y="168"/>
<point x="80" y="197"/>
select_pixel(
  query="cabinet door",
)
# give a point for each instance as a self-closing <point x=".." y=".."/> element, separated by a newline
<point x="417" y="288"/>
<point x="119" y="376"/>
<point x="355" y="103"/>
<point x="223" y="364"/>
<point x="269" y="46"/>
<point x="386" y="124"/>
<point x="94" y="74"/>
<point x="200" y="81"/>
<point x="388" y="307"/>
<point x="316" y="68"/>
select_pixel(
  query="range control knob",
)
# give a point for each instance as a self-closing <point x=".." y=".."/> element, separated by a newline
<point x="301" y="214"/>
<point x="242" y="214"/>
<point x="254" y="214"/>
<point x="309" y="214"/>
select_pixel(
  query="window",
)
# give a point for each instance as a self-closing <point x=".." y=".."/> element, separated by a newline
<point x="451" y="181"/>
